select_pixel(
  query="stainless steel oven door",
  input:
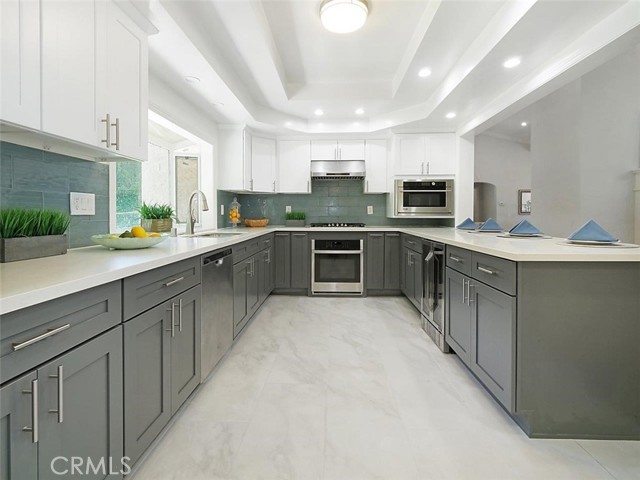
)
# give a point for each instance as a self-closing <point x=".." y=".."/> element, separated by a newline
<point x="337" y="271"/>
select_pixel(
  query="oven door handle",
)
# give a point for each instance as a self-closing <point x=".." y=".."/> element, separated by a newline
<point x="338" y="252"/>
<point x="423" y="191"/>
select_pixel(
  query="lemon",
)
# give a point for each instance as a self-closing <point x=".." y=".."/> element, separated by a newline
<point x="139" y="232"/>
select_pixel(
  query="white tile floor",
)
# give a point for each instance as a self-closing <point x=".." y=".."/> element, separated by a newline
<point x="351" y="388"/>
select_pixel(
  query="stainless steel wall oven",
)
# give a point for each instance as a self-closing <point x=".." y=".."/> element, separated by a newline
<point x="424" y="198"/>
<point x="337" y="266"/>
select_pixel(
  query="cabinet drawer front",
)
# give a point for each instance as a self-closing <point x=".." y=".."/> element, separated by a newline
<point x="411" y="242"/>
<point x="148" y="289"/>
<point x="266" y="241"/>
<point x="246" y="249"/>
<point x="32" y="336"/>
<point x="459" y="259"/>
<point x="496" y="272"/>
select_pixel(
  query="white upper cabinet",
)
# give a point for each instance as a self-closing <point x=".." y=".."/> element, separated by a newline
<point x="246" y="162"/>
<point x="263" y="164"/>
<point x="71" y="34"/>
<point x="20" y="62"/>
<point x="351" y="150"/>
<point x="376" y="166"/>
<point x="126" y="71"/>
<point x="441" y="154"/>
<point x="337" y="150"/>
<point x="424" y="154"/>
<point x="294" y="166"/>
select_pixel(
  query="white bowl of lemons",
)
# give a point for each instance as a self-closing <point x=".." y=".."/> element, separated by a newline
<point x="129" y="240"/>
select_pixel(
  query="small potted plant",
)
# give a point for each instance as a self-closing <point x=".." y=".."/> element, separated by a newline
<point x="295" y="219"/>
<point x="29" y="233"/>
<point x="157" y="217"/>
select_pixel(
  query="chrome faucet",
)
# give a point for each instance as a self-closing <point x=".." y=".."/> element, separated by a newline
<point x="191" y="220"/>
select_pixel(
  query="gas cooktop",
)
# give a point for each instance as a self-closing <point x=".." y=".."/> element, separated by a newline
<point x="345" y="225"/>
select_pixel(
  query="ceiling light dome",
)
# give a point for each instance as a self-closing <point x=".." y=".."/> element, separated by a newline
<point x="343" y="16"/>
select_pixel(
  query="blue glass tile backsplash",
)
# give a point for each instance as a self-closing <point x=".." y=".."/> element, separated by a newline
<point x="34" y="178"/>
<point x="330" y="201"/>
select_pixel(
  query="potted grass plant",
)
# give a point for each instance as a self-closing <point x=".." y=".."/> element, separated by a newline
<point x="157" y="217"/>
<point x="295" y="219"/>
<point x="28" y="233"/>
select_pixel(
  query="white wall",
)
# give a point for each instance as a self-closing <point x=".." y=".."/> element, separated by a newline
<point x="507" y="165"/>
<point x="585" y="141"/>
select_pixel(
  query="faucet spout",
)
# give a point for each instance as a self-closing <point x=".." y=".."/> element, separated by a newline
<point x="191" y="219"/>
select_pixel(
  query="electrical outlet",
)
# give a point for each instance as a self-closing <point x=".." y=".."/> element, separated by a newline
<point x="369" y="209"/>
<point x="287" y="209"/>
<point x="82" y="203"/>
<point x="222" y="209"/>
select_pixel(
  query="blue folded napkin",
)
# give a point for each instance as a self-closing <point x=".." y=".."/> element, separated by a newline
<point x="490" y="225"/>
<point x="524" y="228"/>
<point x="468" y="224"/>
<point x="592" y="232"/>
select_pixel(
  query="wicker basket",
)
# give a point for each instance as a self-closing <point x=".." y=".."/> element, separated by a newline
<point x="157" y="224"/>
<point x="261" y="222"/>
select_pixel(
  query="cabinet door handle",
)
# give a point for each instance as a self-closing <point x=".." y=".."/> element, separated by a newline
<point x="173" y="282"/>
<point x="117" y="142"/>
<point x="268" y="253"/>
<point x="464" y="300"/>
<point x="60" y="409"/>
<point x="486" y="270"/>
<point x="335" y="153"/>
<point x="180" y="315"/>
<point x="250" y="272"/>
<point x="49" y="333"/>
<point x="34" y="411"/>
<point x="455" y="259"/>
<point x="308" y="186"/>
<point x="428" y="165"/>
<point x="274" y="185"/>
<point x="107" y="122"/>
<point x="469" y="301"/>
<point x="172" y="329"/>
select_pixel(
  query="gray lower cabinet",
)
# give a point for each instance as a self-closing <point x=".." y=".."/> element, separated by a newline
<point x="392" y="249"/>
<point x="300" y="260"/>
<point x="77" y="412"/>
<point x="375" y="261"/>
<point x="246" y="292"/>
<point x="412" y="276"/>
<point x="161" y="367"/>
<point x="493" y="330"/>
<point x="264" y="261"/>
<point x="458" y="315"/>
<point x="282" y="261"/>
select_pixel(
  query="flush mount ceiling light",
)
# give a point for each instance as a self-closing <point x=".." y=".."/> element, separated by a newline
<point x="523" y="124"/>
<point x="451" y="115"/>
<point x="318" y="112"/>
<point x="359" y="111"/>
<point x="190" y="79"/>
<point x="424" y="72"/>
<point x="512" y="62"/>
<point x="343" y="16"/>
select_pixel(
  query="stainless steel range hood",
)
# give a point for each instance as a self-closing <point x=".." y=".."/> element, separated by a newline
<point x="337" y="169"/>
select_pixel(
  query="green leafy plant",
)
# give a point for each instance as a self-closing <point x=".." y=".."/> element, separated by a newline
<point x="155" y="211"/>
<point x="296" y="216"/>
<point x="22" y="222"/>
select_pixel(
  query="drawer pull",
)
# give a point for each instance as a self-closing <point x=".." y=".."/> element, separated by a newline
<point x="455" y="259"/>
<point x="173" y="282"/>
<point x="486" y="270"/>
<point x="375" y="234"/>
<point x="60" y="377"/>
<point x="34" y="411"/>
<point x="50" y="332"/>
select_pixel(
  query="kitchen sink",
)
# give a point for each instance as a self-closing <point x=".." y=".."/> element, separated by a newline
<point x="216" y="234"/>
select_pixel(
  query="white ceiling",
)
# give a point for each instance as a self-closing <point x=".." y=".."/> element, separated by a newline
<point x="272" y="64"/>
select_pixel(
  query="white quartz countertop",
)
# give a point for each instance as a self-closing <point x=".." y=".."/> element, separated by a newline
<point x="30" y="282"/>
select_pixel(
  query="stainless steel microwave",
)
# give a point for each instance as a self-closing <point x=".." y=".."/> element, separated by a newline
<point x="423" y="198"/>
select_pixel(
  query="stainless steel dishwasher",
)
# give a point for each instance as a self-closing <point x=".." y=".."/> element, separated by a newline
<point x="217" y="308"/>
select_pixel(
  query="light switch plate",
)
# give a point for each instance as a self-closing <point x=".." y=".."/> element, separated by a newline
<point x="82" y="203"/>
<point x="287" y="209"/>
<point x="369" y="209"/>
<point x="222" y="209"/>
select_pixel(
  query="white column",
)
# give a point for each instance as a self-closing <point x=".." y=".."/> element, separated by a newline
<point x="636" y="211"/>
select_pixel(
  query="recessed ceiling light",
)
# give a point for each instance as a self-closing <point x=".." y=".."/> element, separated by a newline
<point x="451" y="115"/>
<point x="287" y="124"/>
<point x="217" y="104"/>
<point x="523" y="124"/>
<point x="190" y="79"/>
<point x="512" y="62"/>
<point x="318" y="112"/>
<point x="343" y="16"/>
<point x="359" y="111"/>
<point x="424" y="72"/>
